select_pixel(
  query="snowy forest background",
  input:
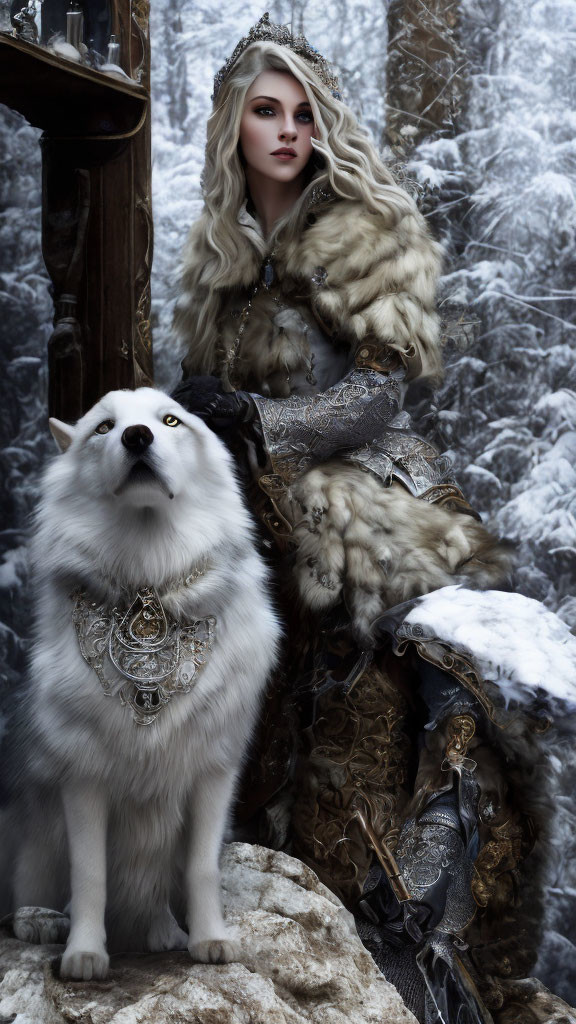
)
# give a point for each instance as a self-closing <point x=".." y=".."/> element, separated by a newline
<point x="499" y="191"/>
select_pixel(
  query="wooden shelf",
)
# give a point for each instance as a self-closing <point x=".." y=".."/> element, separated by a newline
<point x="96" y="209"/>
<point x="67" y="99"/>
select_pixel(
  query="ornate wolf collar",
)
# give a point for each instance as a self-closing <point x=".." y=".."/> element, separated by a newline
<point x="155" y="654"/>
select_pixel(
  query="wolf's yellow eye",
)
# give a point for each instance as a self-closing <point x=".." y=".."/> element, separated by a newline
<point x="104" y="427"/>
<point x="171" y="421"/>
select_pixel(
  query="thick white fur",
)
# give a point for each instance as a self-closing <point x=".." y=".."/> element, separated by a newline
<point x="379" y="546"/>
<point x="144" y="807"/>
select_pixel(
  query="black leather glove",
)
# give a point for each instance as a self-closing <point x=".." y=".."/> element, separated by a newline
<point x="221" y="410"/>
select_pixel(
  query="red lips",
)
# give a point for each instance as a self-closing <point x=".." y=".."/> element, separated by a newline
<point x="284" y="152"/>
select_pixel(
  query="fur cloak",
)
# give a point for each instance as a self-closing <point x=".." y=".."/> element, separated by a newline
<point x="364" y="280"/>
<point x="368" y="285"/>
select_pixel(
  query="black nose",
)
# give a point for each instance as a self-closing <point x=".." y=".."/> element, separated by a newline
<point x="137" y="438"/>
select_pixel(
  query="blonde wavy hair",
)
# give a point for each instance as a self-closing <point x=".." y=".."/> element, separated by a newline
<point x="344" y="159"/>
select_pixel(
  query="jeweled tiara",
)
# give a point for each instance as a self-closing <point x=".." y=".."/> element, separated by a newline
<point x="268" y="32"/>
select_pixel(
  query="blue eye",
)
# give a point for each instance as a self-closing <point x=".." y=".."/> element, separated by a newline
<point x="305" y="116"/>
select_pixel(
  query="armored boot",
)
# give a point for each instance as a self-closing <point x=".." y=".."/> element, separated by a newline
<point x="457" y="855"/>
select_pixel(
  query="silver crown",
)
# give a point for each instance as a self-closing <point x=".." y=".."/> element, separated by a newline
<point x="266" y="31"/>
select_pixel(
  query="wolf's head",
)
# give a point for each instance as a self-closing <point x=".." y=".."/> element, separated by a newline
<point x="140" y="449"/>
<point x="142" y="491"/>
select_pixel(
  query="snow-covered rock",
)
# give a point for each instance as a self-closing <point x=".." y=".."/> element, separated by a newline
<point x="301" y="963"/>
<point x="516" y="642"/>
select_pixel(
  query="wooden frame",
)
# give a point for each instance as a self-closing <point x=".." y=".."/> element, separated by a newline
<point x="96" y="208"/>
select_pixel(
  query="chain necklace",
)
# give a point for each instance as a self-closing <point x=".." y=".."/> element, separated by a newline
<point x="172" y="583"/>
<point x="156" y="655"/>
<point x="266" y="279"/>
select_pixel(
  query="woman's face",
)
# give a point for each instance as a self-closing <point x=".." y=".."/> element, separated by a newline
<point x="276" y="127"/>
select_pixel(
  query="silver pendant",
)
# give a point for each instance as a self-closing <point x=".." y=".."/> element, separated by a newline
<point x="141" y="645"/>
<point x="158" y="657"/>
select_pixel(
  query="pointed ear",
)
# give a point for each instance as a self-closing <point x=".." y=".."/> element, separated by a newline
<point x="62" y="433"/>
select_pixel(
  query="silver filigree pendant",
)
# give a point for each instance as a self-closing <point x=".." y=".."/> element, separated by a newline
<point x="142" y="646"/>
<point x="158" y="657"/>
<point x="149" y="694"/>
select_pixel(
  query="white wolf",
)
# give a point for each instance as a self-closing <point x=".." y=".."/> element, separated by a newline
<point x="154" y="640"/>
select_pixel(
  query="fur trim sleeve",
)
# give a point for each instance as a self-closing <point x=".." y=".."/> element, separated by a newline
<point x="380" y="282"/>
<point x="380" y="546"/>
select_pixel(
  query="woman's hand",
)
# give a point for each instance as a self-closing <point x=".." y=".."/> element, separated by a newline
<point x="221" y="410"/>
